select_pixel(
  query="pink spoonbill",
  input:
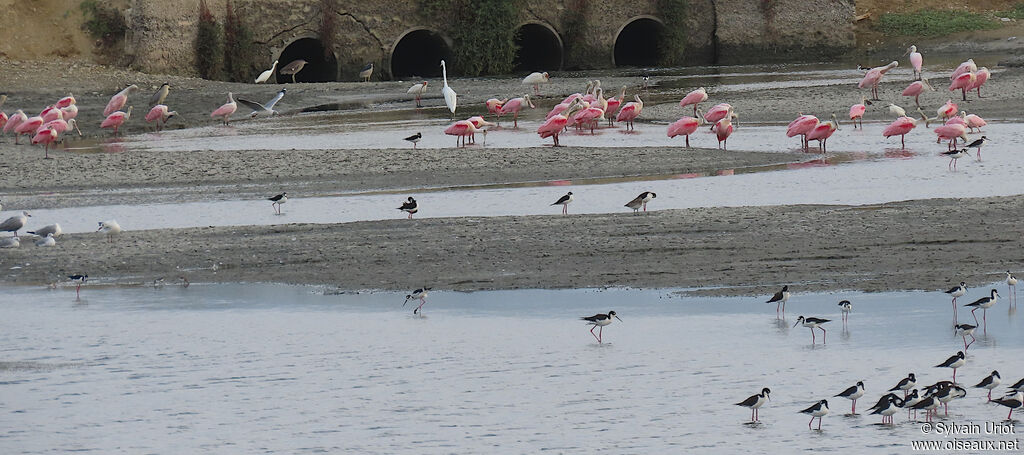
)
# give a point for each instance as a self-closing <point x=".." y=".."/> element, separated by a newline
<point x="27" y="127"/>
<point x="874" y="76"/>
<point x="225" y="111"/>
<point x="45" y="137"/>
<point x="686" y="126"/>
<point x="916" y="88"/>
<point x="963" y="82"/>
<point x="822" y="131"/>
<point x="857" y="112"/>
<point x="160" y="114"/>
<point x="116" y="119"/>
<point x="15" y="119"/>
<point x="723" y="129"/>
<point x="800" y="127"/>
<point x="951" y="132"/>
<point x="716" y="113"/>
<point x="900" y="127"/>
<point x="630" y="112"/>
<point x="974" y="122"/>
<point x="535" y="79"/>
<point x="118" y="101"/>
<point x="613" y="106"/>
<point x="515" y="105"/>
<point x="966" y="67"/>
<point x="461" y="129"/>
<point x="694" y="98"/>
<point x="947" y="110"/>
<point x="915" y="61"/>
<point x="554" y="125"/>
<point x="981" y="76"/>
<point x="66" y="101"/>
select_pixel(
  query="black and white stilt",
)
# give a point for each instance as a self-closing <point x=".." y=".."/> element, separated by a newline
<point x="955" y="361"/>
<point x="887" y="407"/>
<point x="81" y="279"/>
<point x="928" y="404"/>
<point x="964" y="331"/>
<point x="410" y="206"/>
<point x="641" y="201"/>
<point x="954" y="156"/>
<point x="598" y="321"/>
<point x="276" y="202"/>
<point x="845" y="307"/>
<point x="947" y="394"/>
<point x="419" y="294"/>
<point x="978" y="143"/>
<point x="957" y="292"/>
<point x="779" y="299"/>
<point x="415" y="139"/>
<point x="1013" y="401"/>
<point x="984" y="303"/>
<point x="853" y="393"/>
<point x="1011" y="284"/>
<point x="990" y="382"/>
<point x="905" y="384"/>
<point x="754" y="402"/>
<point x="813" y="323"/>
<point x="818" y="410"/>
<point x="909" y="402"/>
<point x="564" y="202"/>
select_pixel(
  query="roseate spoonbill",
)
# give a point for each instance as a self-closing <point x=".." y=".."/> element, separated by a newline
<point x="564" y="202"/>
<point x="589" y="116"/>
<point x="857" y="112"/>
<point x="554" y="125"/>
<point x="264" y="109"/>
<point x="160" y="95"/>
<point x="461" y="129"/>
<point x="415" y="139"/>
<point x="45" y="137"/>
<point x="70" y="112"/>
<point x="974" y="122"/>
<point x="897" y="111"/>
<point x="755" y="402"/>
<point x="410" y="206"/>
<point x="65" y="102"/>
<point x="117" y="119"/>
<point x="630" y="111"/>
<point x="981" y="76"/>
<point x="900" y="127"/>
<point x="613" y="106"/>
<point x="947" y="110"/>
<point x="955" y="155"/>
<point x="15" y="223"/>
<point x="716" y="113"/>
<point x="592" y="93"/>
<point x="915" y="61"/>
<point x="569" y="98"/>
<point x="52" y="113"/>
<point x="597" y="320"/>
<point x="822" y="131"/>
<point x="965" y="67"/>
<point x="110" y="228"/>
<point x="160" y="115"/>
<point x="535" y="79"/>
<point x="801" y="126"/>
<point x="963" y="83"/>
<point x="816" y="411"/>
<point x="951" y="132"/>
<point x="723" y="129"/>
<point x="265" y="76"/>
<point x="15" y="119"/>
<point x="293" y="68"/>
<point x="479" y="123"/>
<point x="118" y="101"/>
<point x="449" y="94"/>
<point x="916" y="88"/>
<point x="417" y="90"/>
<point x="366" y="72"/>
<point x="515" y="105"/>
<point x="695" y="98"/>
<point x="874" y="76"/>
<point x="60" y="126"/>
<point x="27" y="127"/>
<point x="641" y="201"/>
<point x="225" y="110"/>
<point x="277" y="200"/>
<point x="493" y="106"/>
<point x="685" y="127"/>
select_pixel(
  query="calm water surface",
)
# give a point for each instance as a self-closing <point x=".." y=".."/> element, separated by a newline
<point x="279" y="369"/>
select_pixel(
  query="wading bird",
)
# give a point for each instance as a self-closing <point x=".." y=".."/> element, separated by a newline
<point x="265" y="76"/>
<point x="800" y="126"/>
<point x="723" y="129"/>
<point x="293" y="68"/>
<point x="564" y="202"/>
<point x="409" y="206"/>
<point x="955" y="361"/>
<point x="117" y="119"/>
<point x="754" y="402"/>
<point x="955" y="155"/>
<point x="845" y="307"/>
<point x="964" y="331"/>
<point x="419" y="294"/>
<point x="160" y="95"/>
<point x="984" y="303"/>
<point x="599" y="321"/>
<point x="916" y="61"/>
<point x="45" y="137"/>
<point x="981" y="76"/>
<point x="366" y="72"/>
<point x="415" y="139"/>
<point x="1011" y="284"/>
<point x="276" y="201"/>
<point x="641" y="201"/>
<point x="818" y="410"/>
<point x="160" y="115"/>
<point x="989" y="382"/>
<point x="694" y="98"/>
<point x="780" y="297"/>
<point x="886" y="407"/>
<point x="685" y="126"/>
<point x="118" y="101"/>
<point x="956" y="292"/>
<point x="535" y="79"/>
<point x="81" y="279"/>
<point x="857" y="112"/>
<point x="225" y="111"/>
<point x="449" y="94"/>
<point x="874" y="76"/>
<point x="905" y="384"/>
<point x="417" y="91"/>
<point x="813" y="323"/>
<point x="978" y="143"/>
<point x="515" y="105"/>
<point x="915" y="89"/>
<point x="630" y="112"/>
<point x="822" y="131"/>
<point x="1014" y="402"/>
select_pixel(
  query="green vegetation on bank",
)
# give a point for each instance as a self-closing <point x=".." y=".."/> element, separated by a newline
<point x="483" y="32"/>
<point x="939" y="23"/>
<point x="673" y="43"/>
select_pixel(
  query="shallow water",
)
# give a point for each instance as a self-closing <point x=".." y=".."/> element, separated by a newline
<point x="264" y="368"/>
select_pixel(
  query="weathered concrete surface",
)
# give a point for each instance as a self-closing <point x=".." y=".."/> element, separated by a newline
<point x="783" y="29"/>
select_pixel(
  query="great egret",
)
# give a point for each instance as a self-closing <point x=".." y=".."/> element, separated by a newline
<point x="265" y="76"/>
<point x="449" y="94"/>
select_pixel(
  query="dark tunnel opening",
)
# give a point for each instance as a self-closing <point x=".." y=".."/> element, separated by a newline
<point x="639" y="43"/>
<point x="419" y="53"/>
<point x="539" y="49"/>
<point x="318" y="68"/>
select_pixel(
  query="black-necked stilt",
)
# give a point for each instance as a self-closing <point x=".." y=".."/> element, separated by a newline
<point x="957" y="292"/>
<point x="780" y="297"/>
<point x="419" y="294"/>
<point x="755" y="402"/>
<point x="818" y="410"/>
<point x="929" y="390"/>
<point x="410" y="206"/>
<point x="954" y="156"/>
<point x="954" y="362"/>
<point x="978" y="143"/>
<point x="641" y="201"/>
<point x="1011" y="284"/>
<point x="887" y="406"/>
<point x="600" y="320"/>
<point x="905" y="384"/>
<point x="990" y="382"/>
<point x="964" y="331"/>
<point x="564" y="202"/>
<point x="910" y="401"/>
<point x="1018" y="386"/>
<point x="415" y="139"/>
<point x="984" y="303"/>
<point x="845" y="307"/>
<point x="852" y="394"/>
<point x="947" y="394"/>
<point x="184" y="282"/>
<point x="1013" y="401"/>
<point x="928" y="404"/>
<point x="276" y="202"/>
<point x="81" y="280"/>
<point x="813" y="323"/>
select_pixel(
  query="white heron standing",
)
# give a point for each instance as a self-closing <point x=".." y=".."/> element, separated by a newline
<point x="449" y="94"/>
<point x="265" y="76"/>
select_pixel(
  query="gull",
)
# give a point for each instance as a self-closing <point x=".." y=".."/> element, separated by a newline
<point x="47" y="230"/>
<point x="10" y="242"/>
<point x="263" y="109"/>
<point x="15" y="223"/>
<point x="111" y="228"/>
<point x="46" y="241"/>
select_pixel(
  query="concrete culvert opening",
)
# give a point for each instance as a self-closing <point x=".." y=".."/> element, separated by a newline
<point x="319" y="68"/>
<point x="419" y="53"/>
<point x="639" y="43"/>
<point x="540" y="49"/>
